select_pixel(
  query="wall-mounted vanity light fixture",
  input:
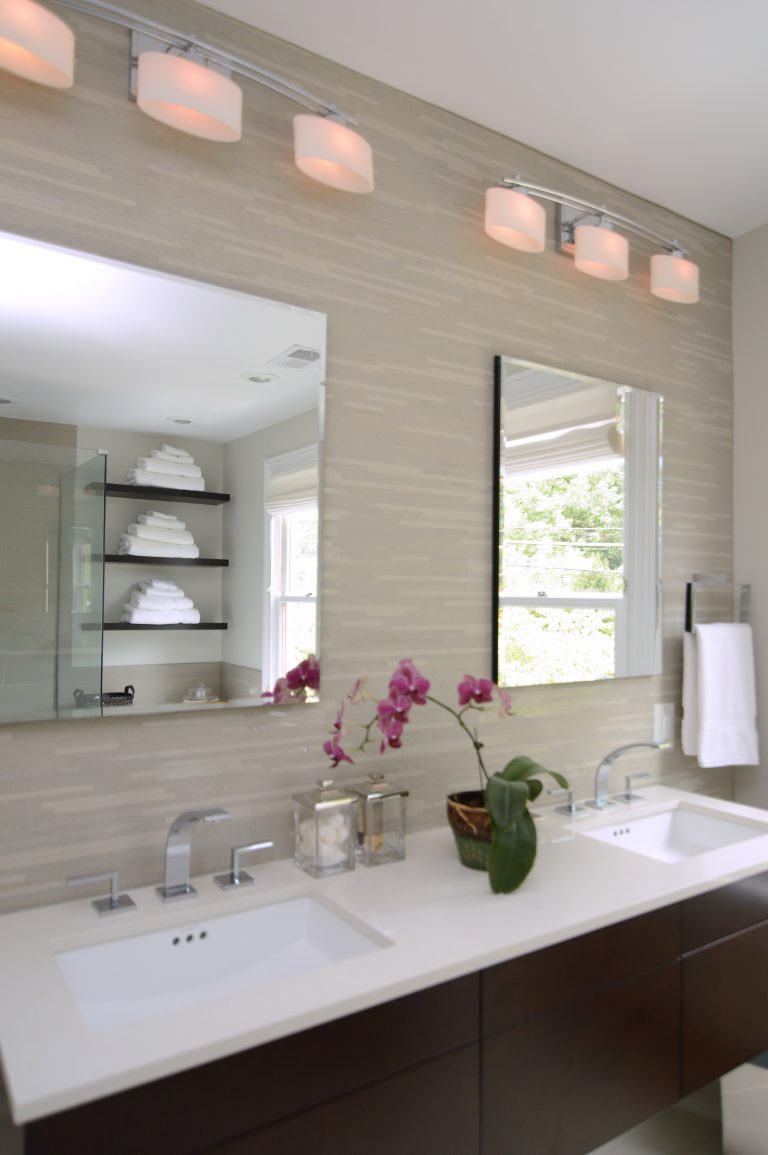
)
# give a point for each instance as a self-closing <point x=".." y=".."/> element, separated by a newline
<point x="514" y="217"/>
<point x="187" y="84"/>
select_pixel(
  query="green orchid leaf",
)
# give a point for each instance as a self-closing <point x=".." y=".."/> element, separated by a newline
<point x="512" y="853"/>
<point x="523" y="767"/>
<point x="505" y="801"/>
<point x="535" y="788"/>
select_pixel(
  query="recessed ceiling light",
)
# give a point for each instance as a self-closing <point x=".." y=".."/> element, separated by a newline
<point x="259" y="378"/>
<point x="179" y="420"/>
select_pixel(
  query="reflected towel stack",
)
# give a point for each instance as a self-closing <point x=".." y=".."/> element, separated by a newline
<point x="168" y="468"/>
<point x="158" y="602"/>
<point x="158" y="535"/>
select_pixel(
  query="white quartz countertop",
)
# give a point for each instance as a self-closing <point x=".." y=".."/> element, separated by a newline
<point x="440" y="921"/>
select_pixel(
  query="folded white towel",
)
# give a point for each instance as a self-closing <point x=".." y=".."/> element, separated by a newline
<point x="157" y="601"/>
<point x="160" y="586"/>
<point x="726" y="697"/>
<point x="161" y="455"/>
<point x="158" y="513"/>
<point x="140" y="547"/>
<point x="158" y="533"/>
<point x="164" y="480"/>
<point x="173" y="451"/>
<point x="159" y="617"/>
<point x="161" y="522"/>
<point x="176" y="468"/>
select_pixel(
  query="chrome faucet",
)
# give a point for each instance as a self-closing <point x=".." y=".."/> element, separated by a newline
<point x="601" y="800"/>
<point x="177" y="851"/>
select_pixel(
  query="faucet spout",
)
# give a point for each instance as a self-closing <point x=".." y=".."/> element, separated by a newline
<point x="178" y="848"/>
<point x="601" y="800"/>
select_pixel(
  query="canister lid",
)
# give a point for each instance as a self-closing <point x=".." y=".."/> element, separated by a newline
<point x="326" y="796"/>
<point x="378" y="787"/>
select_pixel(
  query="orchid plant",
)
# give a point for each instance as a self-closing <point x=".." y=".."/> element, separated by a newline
<point x="506" y="794"/>
<point x="297" y="683"/>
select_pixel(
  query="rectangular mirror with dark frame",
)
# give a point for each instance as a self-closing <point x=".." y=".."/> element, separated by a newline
<point x="161" y="454"/>
<point x="577" y="527"/>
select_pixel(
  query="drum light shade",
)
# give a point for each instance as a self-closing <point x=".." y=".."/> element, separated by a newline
<point x="35" y="44"/>
<point x="188" y="96"/>
<point x="601" y="252"/>
<point x="332" y="153"/>
<point x="515" y="219"/>
<point x="673" y="278"/>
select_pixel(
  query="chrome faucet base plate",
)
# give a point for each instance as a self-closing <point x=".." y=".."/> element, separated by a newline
<point x="232" y="881"/>
<point x="570" y="810"/>
<point x="603" y="804"/>
<point x="171" y="893"/>
<point x="106" y="906"/>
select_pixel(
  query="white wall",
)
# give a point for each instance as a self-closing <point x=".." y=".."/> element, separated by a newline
<point x="750" y="360"/>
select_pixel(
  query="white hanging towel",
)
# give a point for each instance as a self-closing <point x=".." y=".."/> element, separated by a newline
<point x="726" y="699"/>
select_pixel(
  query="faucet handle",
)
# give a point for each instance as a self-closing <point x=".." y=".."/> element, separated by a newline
<point x="570" y="806"/>
<point x="629" y="794"/>
<point x="236" y="876"/>
<point x="116" y="902"/>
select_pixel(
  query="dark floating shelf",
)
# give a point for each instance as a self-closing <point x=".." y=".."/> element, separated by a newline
<point x="143" y="626"/>
<point x="158" y="493"/>
<point x="138" y="559"/>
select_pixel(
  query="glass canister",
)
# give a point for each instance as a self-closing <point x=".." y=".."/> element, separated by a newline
<point x="381" y="821"/>
<point x="325" y="829"/>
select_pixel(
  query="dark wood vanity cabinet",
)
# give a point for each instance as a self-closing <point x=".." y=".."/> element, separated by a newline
<point x="725" y="980"/>
<point x="581" y="1041"/>
<point x="552" y="1053"/>
<point x="401" y="1077"/>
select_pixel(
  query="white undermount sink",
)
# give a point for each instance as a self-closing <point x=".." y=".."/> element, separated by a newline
<point x="145" y="975"/>
<point x="675" y="833"/>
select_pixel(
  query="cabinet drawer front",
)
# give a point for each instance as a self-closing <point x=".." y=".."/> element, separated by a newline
<point x="535" y="983"/>
<point x="190" y="1111"/>
<point x="431" y="1109"/>
<point x="715" y="915"/>
<point x="576" y="1077"/>
<point x="725" y="1007"/>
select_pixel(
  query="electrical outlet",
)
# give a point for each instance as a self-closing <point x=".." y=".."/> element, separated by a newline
<point x="664" y="722"/>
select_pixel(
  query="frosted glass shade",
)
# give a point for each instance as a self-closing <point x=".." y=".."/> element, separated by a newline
<point x="332" y="153"/>
<point x="514" y="219"/>
<point x="601" y="252"/>
<point x="673" y="278"/>
<point x="186" y="95"/>
<point x="35" y="44"/>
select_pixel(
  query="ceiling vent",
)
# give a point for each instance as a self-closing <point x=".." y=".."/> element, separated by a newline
<point x="297" y="357"/>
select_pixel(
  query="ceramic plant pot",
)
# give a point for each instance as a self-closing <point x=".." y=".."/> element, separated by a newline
<point x="471" y="825"/>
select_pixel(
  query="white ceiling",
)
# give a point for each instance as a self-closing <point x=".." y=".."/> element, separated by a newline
<point x="664" y="98"/>
<point x="98" y="343"/>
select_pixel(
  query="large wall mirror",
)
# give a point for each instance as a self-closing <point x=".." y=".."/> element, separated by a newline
<point x="160" y="454"/>
<point x="577" y="541"/>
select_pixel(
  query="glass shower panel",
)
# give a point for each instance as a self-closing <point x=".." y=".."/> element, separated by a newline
<point x="30" y="474"/>
<point x="81" y="588"/>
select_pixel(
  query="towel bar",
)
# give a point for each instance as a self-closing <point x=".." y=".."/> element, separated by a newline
<point x="741" y="595"/>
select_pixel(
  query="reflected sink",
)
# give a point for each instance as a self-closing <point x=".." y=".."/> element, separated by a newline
<point x="146" y="975"/>
<point x="676" y="833"/>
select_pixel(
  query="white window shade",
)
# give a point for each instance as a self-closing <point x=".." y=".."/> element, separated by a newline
<point x="553" y="427"/>
<point x="564" y="450"/>
<point x="292" y="480"/>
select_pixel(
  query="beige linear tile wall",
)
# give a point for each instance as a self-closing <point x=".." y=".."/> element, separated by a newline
<point x="418" y="302"/>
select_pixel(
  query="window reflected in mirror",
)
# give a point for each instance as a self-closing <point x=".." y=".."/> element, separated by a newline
<point x="577" y="532"/>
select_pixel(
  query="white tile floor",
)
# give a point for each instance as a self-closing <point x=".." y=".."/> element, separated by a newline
<point x="693" y="1127"/>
